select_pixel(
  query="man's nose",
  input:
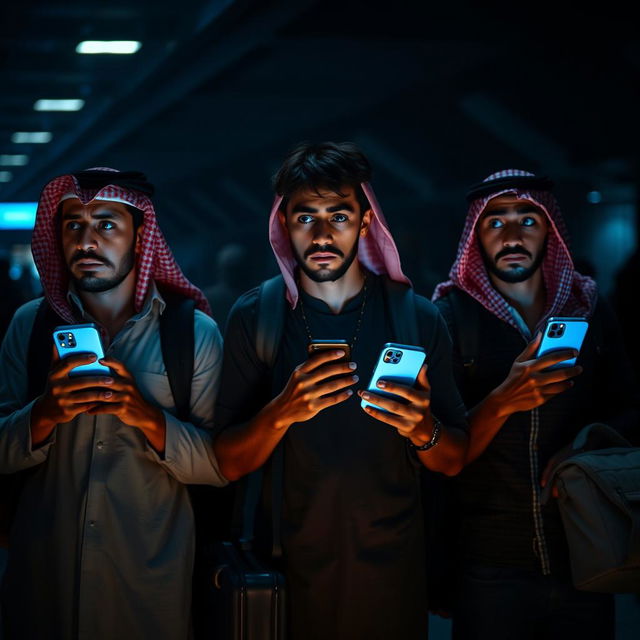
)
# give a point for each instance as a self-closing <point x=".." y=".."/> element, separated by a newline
<point x="86" y="239"/>
<point x="322" y="231"/>
<point x="512" y="235"/>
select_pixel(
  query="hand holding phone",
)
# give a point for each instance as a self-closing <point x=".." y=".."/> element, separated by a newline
<point x="397" y="364"/>
<point x="562" y="334"/>
<point x="73" y="339"/>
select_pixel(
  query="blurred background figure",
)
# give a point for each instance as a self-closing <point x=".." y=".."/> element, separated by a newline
<point x="233" y="269"/>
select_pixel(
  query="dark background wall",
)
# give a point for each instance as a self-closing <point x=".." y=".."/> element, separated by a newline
<point x="439" y="95"/>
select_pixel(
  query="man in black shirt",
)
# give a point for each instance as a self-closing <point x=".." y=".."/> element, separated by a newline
<point x="353" y="536"/>
<point x="514" y="271"/>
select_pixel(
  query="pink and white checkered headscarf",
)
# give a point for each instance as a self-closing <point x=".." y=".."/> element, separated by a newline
<point x="154" y="262"/>
<point x="377" y="251"/>
<point x="568" y="292"/>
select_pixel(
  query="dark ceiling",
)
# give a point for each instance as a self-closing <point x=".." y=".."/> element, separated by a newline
<point x="438" y="95"/>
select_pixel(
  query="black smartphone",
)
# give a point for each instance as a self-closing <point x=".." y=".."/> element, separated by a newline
<point x="316" y="346"/>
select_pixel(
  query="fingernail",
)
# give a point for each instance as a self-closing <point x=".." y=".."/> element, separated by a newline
<point x="355" y="378"/>
<point x="353" y="365"/>
<point x="382" y="384"/>
<point x="107" y="380"/>
<point x="340" y="352"/>
<point x="107" y="394"/>
<point x="349" y="392"/>
<point x="365" y="395"/>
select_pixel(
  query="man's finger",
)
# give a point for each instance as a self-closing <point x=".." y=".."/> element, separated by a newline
<point x="78" y="383"/>
<point x="64" y="365"/>
<point x="412" y="395"/>
<point x="529" y="351"/>
<point x="550" y="390"/>
<point x="113" y="408"/>
<point x="321" y="358"/>
<point x="329" y="401"/>
<point x="388" y="418"/>
<point x="422" y="381"/>
<point x="557" y="375"/>
<point x="329" y="370"/>
<point x="552" y="358"/>
<point x="117" y="366"/>
<point x="399" y="408"/>
<point x="320" y="390"/>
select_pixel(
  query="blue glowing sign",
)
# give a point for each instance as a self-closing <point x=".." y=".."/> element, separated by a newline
<point x="17" y="215"/>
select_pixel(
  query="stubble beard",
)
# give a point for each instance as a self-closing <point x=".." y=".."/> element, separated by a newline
<point x="93" y="284"/>
<point x="328" y="275"/>
<point x="514" y="274"/>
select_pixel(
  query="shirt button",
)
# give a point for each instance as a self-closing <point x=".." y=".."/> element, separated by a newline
<point x="100" y="445"/>
<point x="92" y="523"/>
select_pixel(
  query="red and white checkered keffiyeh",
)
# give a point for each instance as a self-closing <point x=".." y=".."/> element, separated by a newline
<point x="568" y="292"/>
<point x="377" y="251"/>
<point x="154" y="261"/>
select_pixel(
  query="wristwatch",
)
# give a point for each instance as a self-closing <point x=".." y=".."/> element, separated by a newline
<point x="435" y="437"/>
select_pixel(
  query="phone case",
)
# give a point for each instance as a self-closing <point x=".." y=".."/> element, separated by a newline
<point x="71" y="339"/>
<point x="399" y="363"/>
<point x="563" y="333"/>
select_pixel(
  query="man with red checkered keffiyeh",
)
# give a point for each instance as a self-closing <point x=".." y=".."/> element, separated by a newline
<point x="102" y="541"/>
<point x="513" y="271"/>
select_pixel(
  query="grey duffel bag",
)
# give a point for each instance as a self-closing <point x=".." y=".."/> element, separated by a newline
<point x="599" y="502"/>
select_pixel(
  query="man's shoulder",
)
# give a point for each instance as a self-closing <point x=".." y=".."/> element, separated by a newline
<point x="25" y="315"/>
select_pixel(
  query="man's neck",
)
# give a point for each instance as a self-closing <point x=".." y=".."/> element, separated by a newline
<point x="114" y="307"/>
<point x="336" y="294"/>
<point x="527" y="297"/>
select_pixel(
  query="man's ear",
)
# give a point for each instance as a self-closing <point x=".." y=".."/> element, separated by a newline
<point x="283" y="220"/>
<point x="138" y="232"/>
<point x="365" y="222"/>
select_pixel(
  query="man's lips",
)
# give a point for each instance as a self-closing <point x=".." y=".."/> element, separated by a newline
<point x="322" y="257"/>
<point x="88" y="263"/>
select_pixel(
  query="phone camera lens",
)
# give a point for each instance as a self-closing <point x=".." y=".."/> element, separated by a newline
<point x="61" y="336"/>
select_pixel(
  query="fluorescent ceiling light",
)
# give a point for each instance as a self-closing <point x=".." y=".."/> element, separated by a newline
<point x="13" y="160"/>
<point x="108" y="46"/>
<point x="34" y="137"/>
<point x="5" y="176"/>
<point x="59" y="105"/>
<point x="17" y="215"/>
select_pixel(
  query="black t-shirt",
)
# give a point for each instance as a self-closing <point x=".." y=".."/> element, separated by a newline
<point x="352" y="517"/>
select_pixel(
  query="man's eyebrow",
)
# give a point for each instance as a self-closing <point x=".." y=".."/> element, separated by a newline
<point x="342" y="206"/>
<point x="301" y="208"/>
<point x="525" y="208"/>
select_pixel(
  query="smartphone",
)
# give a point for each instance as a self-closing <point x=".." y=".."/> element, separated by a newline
<point x="72" y="339"/>
<point x="563" y="333"/>
<point x="399" y="363"/>
<point x="316" y="346"/>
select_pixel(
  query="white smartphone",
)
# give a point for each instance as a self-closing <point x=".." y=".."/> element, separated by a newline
<point x="563" y="333"/>
<point x="72" y="339"/>
<point x="398" y="363"/>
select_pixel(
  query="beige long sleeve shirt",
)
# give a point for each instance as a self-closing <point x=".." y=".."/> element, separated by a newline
<point x="102" y="543"/>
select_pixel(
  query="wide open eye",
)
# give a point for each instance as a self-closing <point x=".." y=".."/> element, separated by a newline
<point x="495" y="223"/>
<point x="340" y="217"/>
<point x="528" y="221"/>
<point x="107" y="225"/>
<point x="304" y="218"/>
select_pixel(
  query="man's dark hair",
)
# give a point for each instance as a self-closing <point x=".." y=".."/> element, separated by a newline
<point x="325" y="166"/>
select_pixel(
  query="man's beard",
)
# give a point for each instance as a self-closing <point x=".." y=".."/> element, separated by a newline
<point x="326" y="274"/>
<point x="516" y="273"/>
<point x="93" y="284"/>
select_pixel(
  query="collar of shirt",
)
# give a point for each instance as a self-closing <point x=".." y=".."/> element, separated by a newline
<point x="153" y="302"/>
<point x="522" y="325"/>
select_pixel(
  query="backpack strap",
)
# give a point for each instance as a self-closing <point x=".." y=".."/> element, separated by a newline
<point x="400" y="301"/>
<point x="270" y="319"/>
<point x="464" y="312"/>
<point x="40" y="350"/>
<point x="177" y="341"/>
